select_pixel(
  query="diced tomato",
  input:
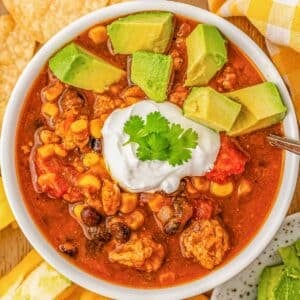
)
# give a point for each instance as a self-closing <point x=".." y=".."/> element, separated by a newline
<point x="203" y="209"/>
<point x="64" y="185"/>
<point x="231" y="160"/>
<point x="56" y="188"/>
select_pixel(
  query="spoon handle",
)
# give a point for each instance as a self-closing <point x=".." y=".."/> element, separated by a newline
<point x="284" y="143"/>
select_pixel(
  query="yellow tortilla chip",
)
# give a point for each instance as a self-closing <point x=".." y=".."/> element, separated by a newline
<point x="43" y="18"/>
<point x="16" y="49"/>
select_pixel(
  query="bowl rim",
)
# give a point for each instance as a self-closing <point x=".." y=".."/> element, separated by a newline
<point x="30" y="229"/>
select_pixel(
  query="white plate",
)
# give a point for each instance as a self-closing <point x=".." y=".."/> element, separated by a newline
<point x="244" y="285"/>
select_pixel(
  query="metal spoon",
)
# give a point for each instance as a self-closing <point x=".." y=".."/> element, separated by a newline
<point x="284" y="143"/>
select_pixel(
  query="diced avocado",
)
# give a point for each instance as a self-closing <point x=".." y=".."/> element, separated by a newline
<point x="289" y="256"/>
<point x="297" y="246"/>
<point x="152" y="73"/>
<point x="206" y="54"/>
<point x="42" y="283"/>
<point x="208" y="107"/>
<point x="150" y="31"/>
<point x="268" y="282"/>
<point x="80" y="68"/>
<point x="288" y="288"/>
<point x="261" y="107"/>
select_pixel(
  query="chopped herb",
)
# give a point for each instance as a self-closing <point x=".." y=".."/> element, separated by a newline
<point x="157" y="139"/>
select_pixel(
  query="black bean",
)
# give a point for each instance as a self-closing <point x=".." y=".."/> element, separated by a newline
<point x="90" y="216"/>
<point x="120" y="231"/>
<point x="68" y="248"/>
<point x="99" y="233"/>
<point x="95" y="144"/>
<point x="172" y="226"/>
<point x="94" y="246"/>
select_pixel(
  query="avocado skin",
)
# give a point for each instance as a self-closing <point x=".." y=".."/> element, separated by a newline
<point x="262" y="107"/>
<point x="207" y="54"/>
<point x="210" y="108"/>
<point x="152" y="73"/>
<point x="78" y="67"/>
<point x="149" y="31"/>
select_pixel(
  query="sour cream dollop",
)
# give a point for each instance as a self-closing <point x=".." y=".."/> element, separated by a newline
<point x="135" y="175"/>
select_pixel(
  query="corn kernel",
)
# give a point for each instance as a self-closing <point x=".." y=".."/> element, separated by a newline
<point x="79" y="125"/>
<point x="156" y="202"/>
<point x="46" y="179"/>
<point x="245" y="188"/>
<point x="221" y="190"/>
<point x="77" y="210"/>
<point x="128" y="202"/>
<point x="50" y="109"/>
<point x="200" y="183"/>
<point x="90" y="159"/>
<point x="60" y="151"/>
<point x="134" y="220"/>
<point x="48" y="137"/>
<point x="98" y="34"/>
<point x="190" y="189"/>
<point x="89" y="180"/>
<point x="45" y="151"/>
<point x="53" y="91"/>
<point x="95" y="128"/>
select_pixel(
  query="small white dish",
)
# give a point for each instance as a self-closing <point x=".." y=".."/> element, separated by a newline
<point x="244" y="285"/>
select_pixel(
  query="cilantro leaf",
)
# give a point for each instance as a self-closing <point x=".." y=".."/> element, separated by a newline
<point x="144" y="153"/>
<point x="157" y="139"/>
<point x="155" y="122"/>
<point x="174" y="133"/>
<point x="159" y="146"/>
<point x="157" y="142"/>
<point x="179" y="155"/>
<point x="133" y="127"/>
<point x="189" y="138"/>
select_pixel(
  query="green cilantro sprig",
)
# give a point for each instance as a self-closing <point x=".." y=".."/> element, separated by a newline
<point x="157" y="139"/>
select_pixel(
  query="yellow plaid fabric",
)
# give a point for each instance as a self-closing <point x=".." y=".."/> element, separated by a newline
<point x="279" y="22"/>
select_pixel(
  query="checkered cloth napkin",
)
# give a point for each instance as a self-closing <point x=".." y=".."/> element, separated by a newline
<point x="279" y="22"/>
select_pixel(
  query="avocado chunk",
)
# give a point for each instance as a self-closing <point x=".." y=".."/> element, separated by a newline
<point x="80" y="68"/>
<point x="288" y="288"/>
<point x="290" y="257"/>
<point x="152" y="73"/>
<point x="151" y="31"/>
<point x="261" y="107"/>
<point x="210" y="108"/>
<point x="268" y="282"/>
<point x="207" y="54"/>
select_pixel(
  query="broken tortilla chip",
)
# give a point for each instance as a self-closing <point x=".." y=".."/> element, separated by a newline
<point x="43" y="18"/>
<point x="16" y="49"/>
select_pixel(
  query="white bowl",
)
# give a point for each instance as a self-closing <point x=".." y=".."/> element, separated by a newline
<point x="38" y="241"/>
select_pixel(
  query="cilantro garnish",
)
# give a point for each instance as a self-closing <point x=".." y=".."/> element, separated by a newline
<point x="157" y="139"/>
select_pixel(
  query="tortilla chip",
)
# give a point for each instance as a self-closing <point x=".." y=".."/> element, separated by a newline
<point x="43" y="18"/>
<point x="16" y="49"/>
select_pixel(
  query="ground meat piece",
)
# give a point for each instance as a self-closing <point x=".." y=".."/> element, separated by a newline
<point x="71" y="100"/>
<point x="206" y="241"/>
<point x="111" y="197"/>
<point x="231" y="160"/>
<point x="140" y="252"/>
